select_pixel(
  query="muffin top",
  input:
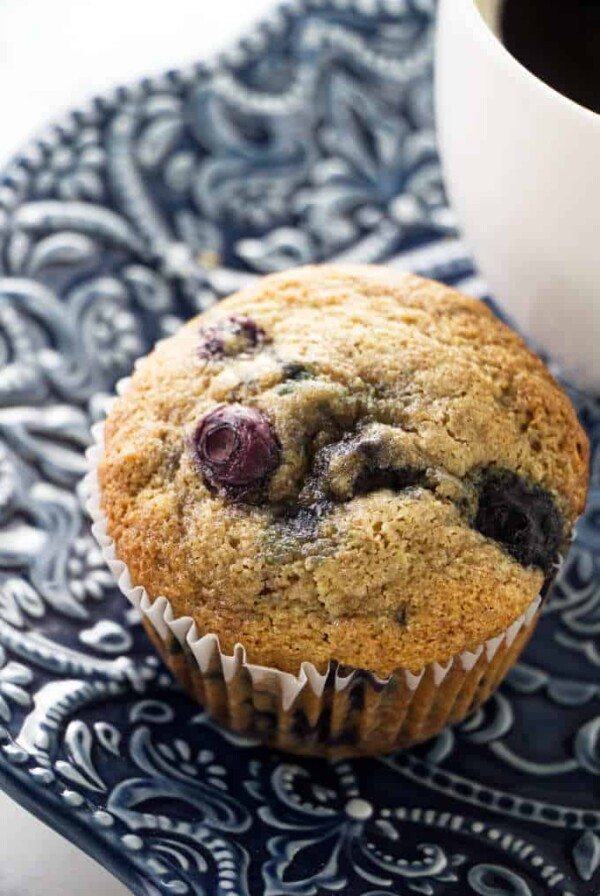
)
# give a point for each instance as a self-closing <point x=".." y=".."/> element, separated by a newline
<point x="344" y="463"/>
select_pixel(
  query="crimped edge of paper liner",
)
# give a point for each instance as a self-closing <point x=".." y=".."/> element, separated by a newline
<point x="488" y="663"/>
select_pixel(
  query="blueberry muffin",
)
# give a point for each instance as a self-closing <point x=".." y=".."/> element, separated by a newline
<point x="362" y="477"/>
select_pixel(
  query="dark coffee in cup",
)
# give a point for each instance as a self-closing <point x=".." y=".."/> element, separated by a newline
<point x="559" y="41"/>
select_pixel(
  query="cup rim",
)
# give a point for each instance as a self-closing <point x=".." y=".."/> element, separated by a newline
<point x="483" y="32"/>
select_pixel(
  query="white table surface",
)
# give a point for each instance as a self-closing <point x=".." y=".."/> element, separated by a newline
<point x="53" y="54"/>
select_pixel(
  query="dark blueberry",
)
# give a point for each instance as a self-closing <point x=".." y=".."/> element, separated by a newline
<point x="300" y="523"/>
<point x="357" y="696"/>
<point x="265" y="722"/>
<point x="294" y="370"/>
<point x="236" y="446"/>
<point x="347" y="737"/>
<point x="173" y="647"/>
<point x="300" y="726"/>
<point x="401" y="616"/>
<point x="294" y="529"/>
<point x="323" y="726"/>
<point x="254" y="335"/>
<point x="233" y="336"/>
<point x="321" y="732"/>
<point x="211" y="343"/>
<point x="396" y="479"/>
<point x="367" y="471"/>
<point x="522" y="517"/>
<point x="375" y="474"/>
<point x="303" y="522"/>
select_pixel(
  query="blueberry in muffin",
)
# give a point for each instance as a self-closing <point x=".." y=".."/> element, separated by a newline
<point x="348" y="467"/>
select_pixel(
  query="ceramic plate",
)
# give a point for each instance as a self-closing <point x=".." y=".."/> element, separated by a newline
<point x="312" y="140"/>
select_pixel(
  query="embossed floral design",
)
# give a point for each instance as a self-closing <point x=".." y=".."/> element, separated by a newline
<point x="9" y="483"/>
<point x="588" y="409"/>
<point x="588" y="527"/>
<point x="51" y="344"/>
<point x="193" y="845"/>
<point x="491" y="727"/>
<point x="250" y="166"/>
<point x="329" y="836"/>
<point x="257" y="203"/>
<point x="109" y="329"/>
<point x="19" y="601"/>
<point x="74" y="170"/>
<point x="20" y="374"/>
<point x="586" y="855"/>
<point x="87" y="572"/>
<point x="158" y="149"/>
<point x="375" y="166"/>
<point x="575" y="600"/>
<point x="162" y="127"/>
<point x="14" y="679"/>
<point x="117" y="336"/>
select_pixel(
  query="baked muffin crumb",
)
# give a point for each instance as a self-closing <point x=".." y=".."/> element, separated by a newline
<point x="415" y="471"/>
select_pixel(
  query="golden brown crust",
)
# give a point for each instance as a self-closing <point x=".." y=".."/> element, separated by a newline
<point x="386" y="579"/>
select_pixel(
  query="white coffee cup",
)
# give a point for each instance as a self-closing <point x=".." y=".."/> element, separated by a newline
<point x="522" y="167"/>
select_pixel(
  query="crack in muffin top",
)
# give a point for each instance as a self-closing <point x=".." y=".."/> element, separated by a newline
<point x="344" y="463"/>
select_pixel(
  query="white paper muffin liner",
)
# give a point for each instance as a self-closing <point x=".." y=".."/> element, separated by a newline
<point x="402" y="709"/>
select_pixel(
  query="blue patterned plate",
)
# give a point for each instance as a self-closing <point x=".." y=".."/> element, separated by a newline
<point x="312" y="140"/>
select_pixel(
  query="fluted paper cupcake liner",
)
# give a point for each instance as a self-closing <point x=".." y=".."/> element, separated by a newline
<point x="341" y="712"/>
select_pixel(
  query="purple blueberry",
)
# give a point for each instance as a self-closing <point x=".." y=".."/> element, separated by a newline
<point x="236" y="447"/>
<point x="522" y="517"/>
<point x="232" y="336"/>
